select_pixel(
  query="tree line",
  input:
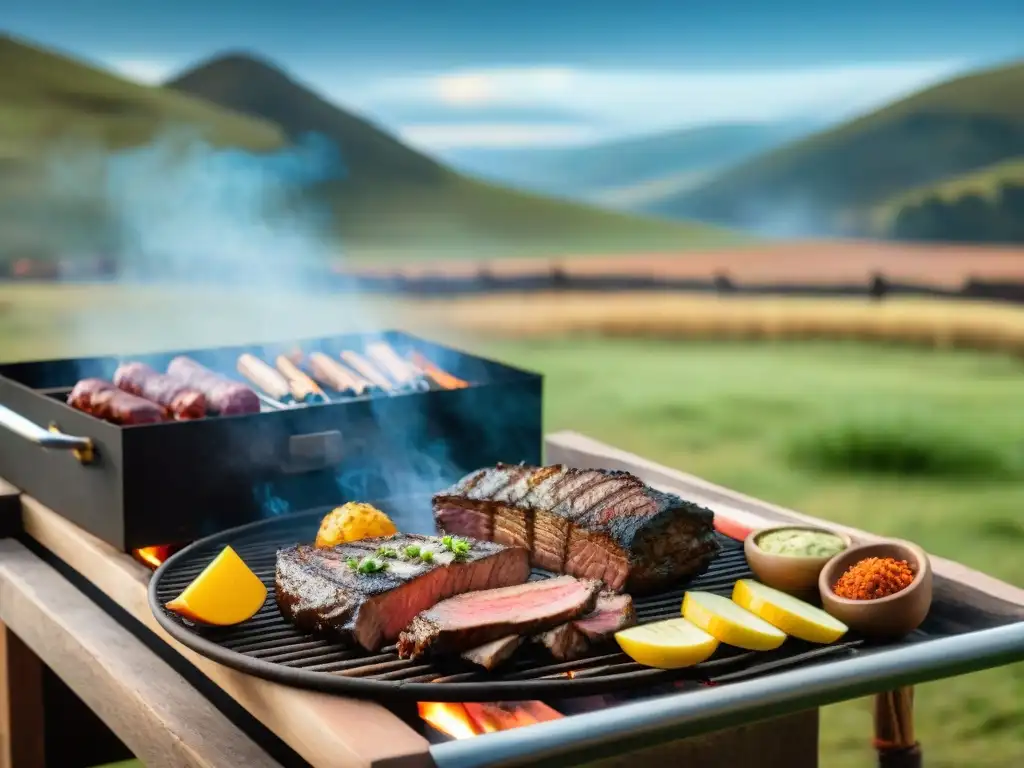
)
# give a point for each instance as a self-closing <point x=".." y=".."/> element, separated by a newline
<point x="970" y="218"/>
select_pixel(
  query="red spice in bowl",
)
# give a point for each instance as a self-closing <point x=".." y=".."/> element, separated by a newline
<point x="873" y="578"/>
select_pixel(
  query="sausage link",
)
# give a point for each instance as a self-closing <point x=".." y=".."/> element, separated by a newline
<point x="182" y="401"/>
<point x="223" y="395"/>
<point x="103" y="400"/>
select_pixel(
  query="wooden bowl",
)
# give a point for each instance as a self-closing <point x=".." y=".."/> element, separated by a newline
<point x="790" y="573"/>
<point x="887" y="617"/>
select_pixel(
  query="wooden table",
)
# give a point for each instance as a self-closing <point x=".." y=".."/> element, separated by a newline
<point x="166" y="722"/>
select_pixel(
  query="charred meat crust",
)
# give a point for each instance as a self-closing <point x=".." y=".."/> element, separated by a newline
<point x="601" y="524"/>
<point x="573" y="639"/>
<point x="470" y="620"/>
<point x="318" y="591"/>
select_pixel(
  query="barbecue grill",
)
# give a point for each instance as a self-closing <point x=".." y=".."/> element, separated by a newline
<point x="269" y="646"/>
<point x="175" y="482"/>
<point x="605" y="710"/>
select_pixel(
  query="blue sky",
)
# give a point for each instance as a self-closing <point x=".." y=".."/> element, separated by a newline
<point x="448" y="74"/>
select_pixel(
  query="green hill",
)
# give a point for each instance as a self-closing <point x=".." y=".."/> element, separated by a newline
<point x="393" y="201"/>
<point x="396" y="199"/>
<point x="609" y="171"/>
<point x="828" y="183"/>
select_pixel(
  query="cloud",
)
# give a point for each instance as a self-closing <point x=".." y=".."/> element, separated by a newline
<point x="622" y="102"/>
<point x="148" y="71"/>
<point x="446" y="136"/>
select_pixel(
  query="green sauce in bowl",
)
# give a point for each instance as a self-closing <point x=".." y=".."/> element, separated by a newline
<point x="800" y="542"/>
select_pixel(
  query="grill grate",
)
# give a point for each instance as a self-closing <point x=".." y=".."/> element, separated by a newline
<point x="270" y="647"/>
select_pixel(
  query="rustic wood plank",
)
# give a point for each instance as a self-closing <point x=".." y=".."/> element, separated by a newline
<point x="162" y="719"/>
<point x="784" y="742"/>
<point x="325" y="730"/>
<point x="22" y="735"/>
<point x="953" y="581"/>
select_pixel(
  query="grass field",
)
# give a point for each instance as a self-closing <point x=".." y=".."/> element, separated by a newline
<point x="923" y="444"/>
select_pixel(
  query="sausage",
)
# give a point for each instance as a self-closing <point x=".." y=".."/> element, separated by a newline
<point x="181" y="401"/>
<point x="264" y="377"/>
<point x="303" y="388"/>
<point x="223" y="395"/>
<point x="103" y="400"/>
<point x="330" y="372"/>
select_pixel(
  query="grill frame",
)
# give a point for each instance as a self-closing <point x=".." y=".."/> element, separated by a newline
<point x="177" y="482"/>
<point x="246" y="647"/>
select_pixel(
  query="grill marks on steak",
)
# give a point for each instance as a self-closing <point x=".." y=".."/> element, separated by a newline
<point x="598" y="524"/>
<point x="471" y="620"/>
<point x="573" y="639"/>
<point x="318" y="591"/>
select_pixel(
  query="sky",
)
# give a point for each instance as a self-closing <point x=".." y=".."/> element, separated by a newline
<point x="454" y="74"/>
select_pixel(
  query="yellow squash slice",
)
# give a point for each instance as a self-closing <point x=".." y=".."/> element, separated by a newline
<point x="670" y="644"/>
<point x="793" y="616"/>
<point x="721" y="618"/>
<point x="353" y="522"/>
<point x="227" y="592"/>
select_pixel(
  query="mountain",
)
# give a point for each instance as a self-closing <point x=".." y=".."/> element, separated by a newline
<point x="52" y="105"/>
<point x="827" y="183"/>
<point x="396" y="197"/>
<point x="615" y="172"/>
<point x="60" y="120"/>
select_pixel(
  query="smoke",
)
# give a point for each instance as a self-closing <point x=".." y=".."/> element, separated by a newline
<point x="222" y="247"/>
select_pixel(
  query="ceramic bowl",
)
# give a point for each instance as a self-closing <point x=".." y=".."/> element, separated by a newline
<point x="790" y="573"/>
<point x="885" y="617"/>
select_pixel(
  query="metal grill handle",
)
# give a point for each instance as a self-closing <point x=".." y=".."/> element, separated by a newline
<point x="51" y="439"/>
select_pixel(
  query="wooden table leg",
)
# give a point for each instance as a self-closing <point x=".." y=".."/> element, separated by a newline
<point x="894" y="730"/>
<point x="22" y="742"/>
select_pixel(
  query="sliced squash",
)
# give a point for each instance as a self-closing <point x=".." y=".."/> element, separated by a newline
<point x="721" y="618"/>
<point x="227" y="592"/>
<point x="792" y="615"/>
<point x="670" y="644"/>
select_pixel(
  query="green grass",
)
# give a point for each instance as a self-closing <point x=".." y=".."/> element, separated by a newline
<point x="985" y="182"/>
<point x="837" y="176"/>
<point x="729" y="412"/>
<point x="394" y="202"/>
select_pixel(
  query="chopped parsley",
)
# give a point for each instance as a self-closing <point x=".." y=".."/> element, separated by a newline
<point x="427" y="556"/>
<point x="458" y="547"/>
<point x="367" y="565"/>
<point x="387" y="552"/>
<point x="413" y="550"/>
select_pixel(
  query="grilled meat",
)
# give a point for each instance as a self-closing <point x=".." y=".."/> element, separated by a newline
<point x="223" y="395"/>
<point x="180" y="400"/>
<point x="103" y="400"/>
<point x="574" y="638"/>
<point x="320" y="591"/>
<point x="589" y="523"/>
<point x="475" y="618"/>
<point x="495" y="653"/>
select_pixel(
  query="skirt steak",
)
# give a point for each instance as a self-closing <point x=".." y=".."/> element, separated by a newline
<point x="574" y="638"/>
<point x="319" y="590"/>
<point x="473" y="619"/>
<point x="589" y="523"/>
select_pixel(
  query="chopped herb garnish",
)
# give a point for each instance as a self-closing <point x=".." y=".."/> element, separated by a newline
<point x="458" y="547"/>
<point x="412" y="550"/>
<point x="386" y="552"/>
<point x="427" y="556"/>
<point x="352" y="563"/>
<point x="370" y="565"/>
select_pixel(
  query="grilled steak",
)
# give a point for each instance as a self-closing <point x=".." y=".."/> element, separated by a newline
<point x="492" y="654"/>
<point x="320" y="591"/>
<point x="574" y="638"/>
<point x="588" y="523"/>
<point x="473" y="619"/>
